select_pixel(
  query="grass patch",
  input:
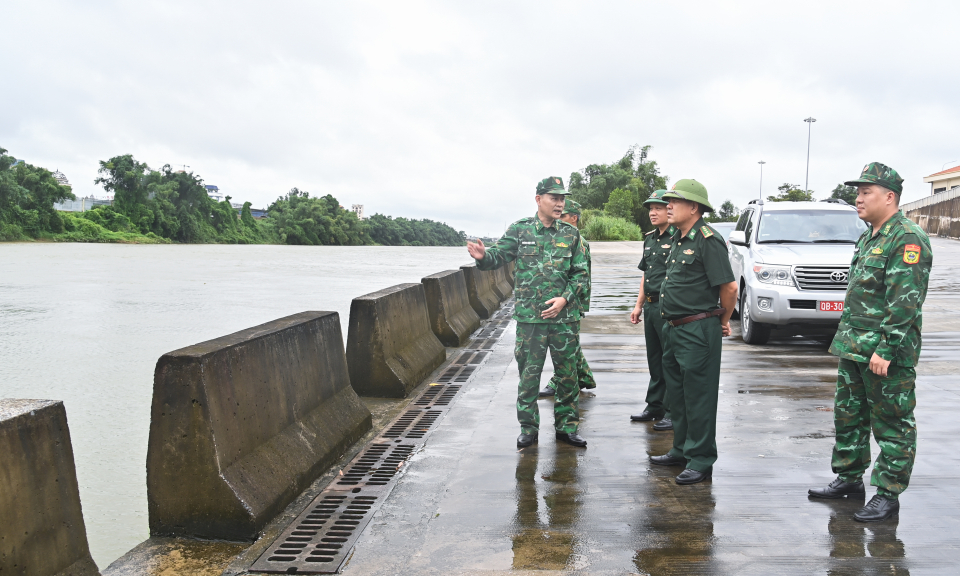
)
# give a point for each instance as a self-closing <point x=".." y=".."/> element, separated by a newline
<point x="599" y="226"/>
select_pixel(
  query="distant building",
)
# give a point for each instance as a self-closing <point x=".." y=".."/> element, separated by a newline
<point x="213" y="192"/>
<point x="358" y="210"/>
<point x="61" y="178"/>
<point x="944" y="181"/>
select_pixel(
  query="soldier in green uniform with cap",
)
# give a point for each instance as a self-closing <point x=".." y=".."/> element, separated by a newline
<point x="653" y="263"/>
<point x="698" y="275"/>
<point x="551" y="275"/>
<point x="571" y="215"/>
<point x="878" y="343"/>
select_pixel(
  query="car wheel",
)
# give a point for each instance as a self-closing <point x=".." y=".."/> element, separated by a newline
<point x="753" y="332"/>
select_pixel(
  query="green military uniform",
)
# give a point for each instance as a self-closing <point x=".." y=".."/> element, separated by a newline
<point x="881" y="315"/>
<point x="697" y="266"/>
<point x="585" y="379"/>
<point x="549" y="263"/>
<point x="653" y="263"/>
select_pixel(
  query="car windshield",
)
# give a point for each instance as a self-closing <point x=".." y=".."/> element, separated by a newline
<point x="810" y="226"/>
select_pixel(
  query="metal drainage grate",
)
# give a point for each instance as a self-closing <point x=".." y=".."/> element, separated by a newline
<point x="377" y="465"/>
<point x="469" y="357"/>
<point x="413" y="424"/>
<point x="438" y="395"/>
<point x="456" y="374"/>
<point x="320" y="538"/>
<point x="482" y="344"/>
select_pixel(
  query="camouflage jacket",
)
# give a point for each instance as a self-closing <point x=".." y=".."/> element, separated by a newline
<point x="887" y="286"/>
<point x="550" y="262"/>
<point x="584" y="299"/>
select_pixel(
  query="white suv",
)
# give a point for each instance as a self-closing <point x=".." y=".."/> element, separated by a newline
<point x="791" y="260"/>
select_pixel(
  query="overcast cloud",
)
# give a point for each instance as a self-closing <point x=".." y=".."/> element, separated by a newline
<point x="453" y="111"/>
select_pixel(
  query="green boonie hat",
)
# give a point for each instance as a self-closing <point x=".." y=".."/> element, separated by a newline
<point x="551" y="185"/>
<point x="689" y="189"/>
<point x="656" y="197"/>
<point x="880" y="174"/>
<point x="571" y="207"/>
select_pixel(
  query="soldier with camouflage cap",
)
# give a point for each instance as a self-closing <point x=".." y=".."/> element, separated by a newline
<point x="551" y="275"/>
<point x="698" y="274"/>
<point x="878" y="343"/>
<point x="585" y="380"/>
<point x="653" y="263"/>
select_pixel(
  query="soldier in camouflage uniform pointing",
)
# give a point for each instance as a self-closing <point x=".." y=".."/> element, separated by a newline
<point x="551" y="275"/>
<point x="585" y="380"/>
<point x="878" y="343"/>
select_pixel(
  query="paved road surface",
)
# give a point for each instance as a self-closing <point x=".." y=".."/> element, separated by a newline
<point x="471" y="503"/>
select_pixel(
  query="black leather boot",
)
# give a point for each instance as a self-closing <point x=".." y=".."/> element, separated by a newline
<point x="525" y="440"/>
<point x="877" y="509"/>
<point x="838" y="489"/>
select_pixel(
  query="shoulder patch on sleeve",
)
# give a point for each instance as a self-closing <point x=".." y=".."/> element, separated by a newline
<point x="706" y="231"/>
<point x="911" y="253"/>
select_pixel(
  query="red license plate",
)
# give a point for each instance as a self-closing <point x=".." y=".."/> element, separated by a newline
<point x="831" y="306"/>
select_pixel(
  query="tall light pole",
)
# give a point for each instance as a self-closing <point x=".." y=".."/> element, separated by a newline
<point x="761" y="163"/>
<point x="809" y="121"/>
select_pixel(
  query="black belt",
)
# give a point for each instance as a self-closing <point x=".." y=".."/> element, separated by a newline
<point x="695" y="317"/>
<point x="652" y="299"/>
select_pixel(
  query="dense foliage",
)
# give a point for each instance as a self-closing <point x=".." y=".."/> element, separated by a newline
<point x="846" y="193"/>
<point x="27" y="196"/>
<point x="173" y="206"/>
<point x="621" y="187"/>
<point x="791" y="193"/>
<point x="598" y="225"/>
<point x="726" y="213"/>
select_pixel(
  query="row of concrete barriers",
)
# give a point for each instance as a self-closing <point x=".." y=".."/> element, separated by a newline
<point x="242" y="424"/>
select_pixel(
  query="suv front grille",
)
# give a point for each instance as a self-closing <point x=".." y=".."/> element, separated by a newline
<point x="822" y="277"/>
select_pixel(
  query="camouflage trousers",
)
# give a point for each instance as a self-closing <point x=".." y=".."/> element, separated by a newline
<point x="533" y="341"/>
<point x="585" y="378"/>
<point x="864" y="401"/>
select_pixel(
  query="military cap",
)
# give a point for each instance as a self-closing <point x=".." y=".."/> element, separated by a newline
<point x="881" y="175"/>
<point x="572" y="207"/>
<point x="689" y="189"/>
<point x="551" y="185"/>
<point x="656" y="197"/>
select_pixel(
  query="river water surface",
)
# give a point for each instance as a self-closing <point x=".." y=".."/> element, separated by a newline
<point x="86" y="323"/>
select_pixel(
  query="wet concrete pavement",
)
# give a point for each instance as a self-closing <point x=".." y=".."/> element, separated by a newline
<point x="471" y="503"/>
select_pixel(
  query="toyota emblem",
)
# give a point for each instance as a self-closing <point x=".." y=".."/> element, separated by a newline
<point x="838" y="277"/>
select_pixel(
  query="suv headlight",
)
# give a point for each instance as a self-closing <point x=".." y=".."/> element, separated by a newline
<point x="779" y="275"/>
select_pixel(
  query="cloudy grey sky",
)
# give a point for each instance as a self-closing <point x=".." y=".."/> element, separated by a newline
<point x="453" y="111"/>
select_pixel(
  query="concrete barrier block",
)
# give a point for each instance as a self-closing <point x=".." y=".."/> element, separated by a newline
<point x="242" y="424"/>
<point x="390" y="346"/>
<point x="501" y="283"/>
<point x="41" y="524"/>
<point x="480" y="291"/>
<point x="452" y="318"/>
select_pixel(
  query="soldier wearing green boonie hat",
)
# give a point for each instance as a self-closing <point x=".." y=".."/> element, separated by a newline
<point x="551" y="276"/>
<point x="878" y="342"/>
<point x="653" y="263"/>
<point x="585" y="380"/>
<point x="697" y="275"/>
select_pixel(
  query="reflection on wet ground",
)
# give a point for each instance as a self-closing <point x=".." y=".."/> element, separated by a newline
<point x="470" y="503"/>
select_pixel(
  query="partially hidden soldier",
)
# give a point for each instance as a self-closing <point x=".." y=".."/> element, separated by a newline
<point x="551" y="274"/>
<point x="585" y="380"/>
<point x="878" y="343"/>
<point x="653" y="263"/>
<point x="698" y="275"/>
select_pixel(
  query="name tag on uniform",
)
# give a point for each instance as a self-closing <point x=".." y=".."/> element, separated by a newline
<point x="527" y="243"/>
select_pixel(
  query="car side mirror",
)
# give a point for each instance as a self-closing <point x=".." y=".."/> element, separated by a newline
<point x="738" y="237"/>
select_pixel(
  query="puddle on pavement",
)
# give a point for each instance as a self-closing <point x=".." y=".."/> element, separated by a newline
<point x="678" y="537"/>
<point x="547" y="510"/>
<point x="799" y="392"/>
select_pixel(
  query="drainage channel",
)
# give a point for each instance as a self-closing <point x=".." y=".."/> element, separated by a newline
<point x="320" y="539"/>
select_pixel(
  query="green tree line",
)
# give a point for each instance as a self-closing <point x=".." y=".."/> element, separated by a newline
<point x="173" y="206"/>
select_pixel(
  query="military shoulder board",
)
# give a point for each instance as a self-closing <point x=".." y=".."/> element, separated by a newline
<point x="706" y="231"/>
<point x="650" y="232"/>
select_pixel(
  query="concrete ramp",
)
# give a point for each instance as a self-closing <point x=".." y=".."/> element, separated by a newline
<point x="452" y="318"/>
<point x="41" y="524"/>
<point x="242" y="424"/>
<point x="390" y="346"/>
